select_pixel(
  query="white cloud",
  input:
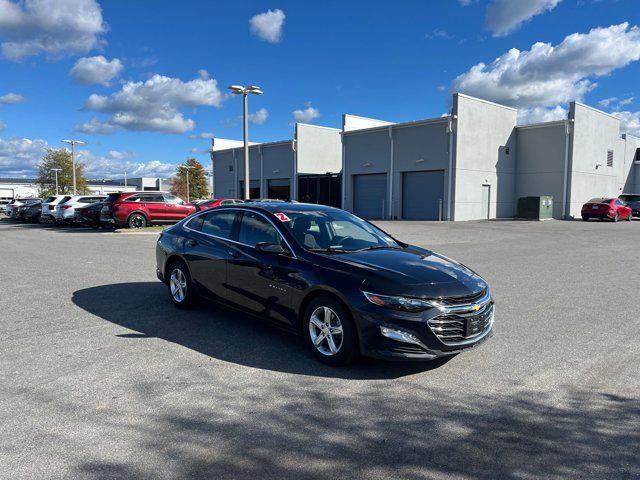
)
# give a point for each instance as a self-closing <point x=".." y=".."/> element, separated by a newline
<point x="153" y="105"/>
<point x="3" y="126"/>
<point x="548" y="75"/>
<point x="438" y="33"/>
<point x="626" y="101"/>
<point x="629" y="122"/>
<point x="605" y="102"/>
<point x="259" y="117"/>
<point x="505" y="16"/>
<point x="52" y="27"/>
<point x="466" y="3"/>
<point x="95" y="127"/>
<point x="11" y="98"/>
<point x="115" y="163"/>
<point x="202" y="135"/>
<point x="96" y="70"/>
<point x="20" y="156"/>
<point x="527" y="116"/>
<point x="268" y="25"/>
<point x="306" y="115"/>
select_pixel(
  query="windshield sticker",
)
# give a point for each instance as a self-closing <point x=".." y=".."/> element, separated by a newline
<point x="282" y="217"/>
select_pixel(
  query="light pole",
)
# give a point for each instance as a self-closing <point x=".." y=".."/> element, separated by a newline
<point x="125" y="179"/>
<point x="56" y="170"/>
<point x="187" y="167"/>
<point x="245" y="91"/>
<point x="73" y="158"/>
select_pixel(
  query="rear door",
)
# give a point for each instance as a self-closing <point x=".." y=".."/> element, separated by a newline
<point x="260" y="282"/>
<point x="208" y="250"/>
<point x="155" y="207"/>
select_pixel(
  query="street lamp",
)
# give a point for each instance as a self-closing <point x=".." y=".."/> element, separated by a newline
<point x="73" y="158"/>
<point x="187" y="167"/>
<point x="245" y="91"/>
<point x="56" y="170"/>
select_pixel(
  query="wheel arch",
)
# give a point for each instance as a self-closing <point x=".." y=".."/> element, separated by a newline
<point x="174" y="257"/>
<point x="324" y="291"/>
<point x="141" y="212"/>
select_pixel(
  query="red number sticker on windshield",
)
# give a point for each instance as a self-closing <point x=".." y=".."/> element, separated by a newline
<point x="282" y="217"/>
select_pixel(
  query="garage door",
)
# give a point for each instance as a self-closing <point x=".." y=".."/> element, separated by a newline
<point x="370" y="195"/>
<point x="422" y="194"/>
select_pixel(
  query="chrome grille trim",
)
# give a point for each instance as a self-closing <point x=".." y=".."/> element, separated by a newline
<point x="450" y="326"/>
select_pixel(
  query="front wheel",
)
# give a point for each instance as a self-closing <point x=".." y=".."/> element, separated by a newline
<point x="137" y="221"/>
<point x="329" y="332"/>
<point x="181" y="289"/>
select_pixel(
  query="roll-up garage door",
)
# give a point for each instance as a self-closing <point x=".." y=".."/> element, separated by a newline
<point x="370" y="195"/>
<point x="422" y="195"/>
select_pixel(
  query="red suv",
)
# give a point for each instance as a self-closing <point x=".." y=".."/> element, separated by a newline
<point x="610" y="208"/>
<point x="139" y="209"/>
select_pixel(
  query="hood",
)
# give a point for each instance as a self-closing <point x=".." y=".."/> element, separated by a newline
<point x="413" y="272"/>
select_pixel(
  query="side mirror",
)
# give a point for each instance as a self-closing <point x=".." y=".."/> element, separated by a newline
<point x="273" y="248"/>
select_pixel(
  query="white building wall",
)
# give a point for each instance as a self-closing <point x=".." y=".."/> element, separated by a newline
<point x="594" y="133"/>
<point x="485" y="131"/>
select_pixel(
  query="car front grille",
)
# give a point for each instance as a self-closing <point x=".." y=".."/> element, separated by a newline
<point x="463" y="300"/>
<point x="455" y="328"/>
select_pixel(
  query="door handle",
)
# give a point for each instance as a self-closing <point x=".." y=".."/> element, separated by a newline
<point x="192" y="243"/>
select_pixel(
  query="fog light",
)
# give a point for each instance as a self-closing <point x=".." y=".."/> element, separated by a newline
<point x="399" y="335"/>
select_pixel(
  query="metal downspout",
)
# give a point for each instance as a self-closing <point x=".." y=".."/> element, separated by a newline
<point x="566" y="170"/>
<point x="450" y="172"/>
<point x="391" y="172"/>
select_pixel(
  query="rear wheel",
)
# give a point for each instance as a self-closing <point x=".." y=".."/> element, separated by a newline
<point x="137" y="220"/>
<point x="585" y="218"/>
<point x="329" y="332"/>
<point x="181" y="289"/>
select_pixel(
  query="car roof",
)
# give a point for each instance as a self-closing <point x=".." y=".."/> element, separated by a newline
<point x="273" y="207"/>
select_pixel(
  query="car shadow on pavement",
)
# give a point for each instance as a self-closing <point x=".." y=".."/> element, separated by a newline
<point x="223" y="333"/>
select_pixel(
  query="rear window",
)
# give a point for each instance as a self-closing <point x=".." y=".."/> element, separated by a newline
<point x="600" y="200"/>
<point x="112" y="197"/>
<point x="65" y="200"/>
<point x="49" y="199"/>
<point x="630" y="198"/>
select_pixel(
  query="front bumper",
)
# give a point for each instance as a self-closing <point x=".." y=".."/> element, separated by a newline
<point x="424" y="343"/>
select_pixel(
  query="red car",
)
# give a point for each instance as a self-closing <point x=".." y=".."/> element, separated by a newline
<point x="609" y="208"/>
<point x="216" y="202"/>
<point x="139" y="209"/>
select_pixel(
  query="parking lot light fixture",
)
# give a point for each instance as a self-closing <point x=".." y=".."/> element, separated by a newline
<point x="187" y="168"/>
<point x="73" y="144"/>
<point x="245" y="91"/>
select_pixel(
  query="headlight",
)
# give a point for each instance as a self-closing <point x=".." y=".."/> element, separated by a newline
<point x="401" y="303"/>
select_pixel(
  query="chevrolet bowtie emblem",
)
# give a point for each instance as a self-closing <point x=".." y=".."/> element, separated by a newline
<point x="475" y="308"/>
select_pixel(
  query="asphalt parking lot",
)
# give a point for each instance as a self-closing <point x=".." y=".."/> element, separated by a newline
<point x="101" y="377"/>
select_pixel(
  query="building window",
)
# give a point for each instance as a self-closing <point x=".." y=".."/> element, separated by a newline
<point x="609" y="158"/>
<point x="231" y="168"/>
<point x="637" y="159"/>
<point x="506" y="150"/>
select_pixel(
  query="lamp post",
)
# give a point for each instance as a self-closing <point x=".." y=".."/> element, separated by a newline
<point x="245" y="91"/>
<point x="125" y="179"/>
<point x="56" y="170"/>
<point x="187" y="167"/>
<point x="73" y="158"/>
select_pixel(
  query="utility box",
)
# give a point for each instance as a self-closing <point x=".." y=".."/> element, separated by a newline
<point x="535" y="208"/>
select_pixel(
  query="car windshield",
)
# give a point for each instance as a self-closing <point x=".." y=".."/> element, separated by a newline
<point x="334" y="231"/>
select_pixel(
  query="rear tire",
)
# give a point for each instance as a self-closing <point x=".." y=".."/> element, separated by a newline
<point x="137" y="220"/>
<point x="329" y="332"/>
<point x="181" y="289"/>
<point x="585" y="218"/>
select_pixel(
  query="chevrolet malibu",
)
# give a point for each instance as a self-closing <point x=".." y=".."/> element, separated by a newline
<point x="346" y="286"/>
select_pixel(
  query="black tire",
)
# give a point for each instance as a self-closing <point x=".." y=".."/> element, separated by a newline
<point x="585" y="218"/>
<point x="629" y="217"/>
<point x="189" y="297"/>
<point x="137" y="220"/>
<point x="347" y="345"/>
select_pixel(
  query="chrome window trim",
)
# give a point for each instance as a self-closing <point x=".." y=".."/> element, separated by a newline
<point x="236" y="210"/>
<point x="468" y="307"/>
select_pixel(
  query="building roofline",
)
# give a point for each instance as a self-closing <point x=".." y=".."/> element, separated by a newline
<point x="463" y="95"/>
<point x="425" y="121"/>
<point x="553" y="123"/>
<point x="594" y="109"/>
<point x="316" y="126"/>
<point x="254" y="146"/>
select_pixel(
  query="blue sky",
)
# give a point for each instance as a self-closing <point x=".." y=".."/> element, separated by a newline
<point x="137" y="80"/>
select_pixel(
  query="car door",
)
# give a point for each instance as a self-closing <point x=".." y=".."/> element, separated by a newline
<point x="207" y="250"/>
<point x="261" y="282"/>
<point x="176" y="209"/>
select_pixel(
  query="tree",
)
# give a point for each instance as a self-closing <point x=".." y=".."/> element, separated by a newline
<point x="59" y="158"/>
<point x="198" y="187"/>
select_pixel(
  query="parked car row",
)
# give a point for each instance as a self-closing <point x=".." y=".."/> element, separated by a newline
<point x="115" y="210"/>
<point x="624" y="207"/>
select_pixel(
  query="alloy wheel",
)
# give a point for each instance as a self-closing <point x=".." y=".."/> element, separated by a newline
<point x="325" y="330"/>
<point x="137" y="221"/>
<point x="178" y="285"/>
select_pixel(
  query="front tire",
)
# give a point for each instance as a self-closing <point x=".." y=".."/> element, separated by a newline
<point x="181" y="288"/>
<point x="329" y="332"/>
<point x="137" y="220"/>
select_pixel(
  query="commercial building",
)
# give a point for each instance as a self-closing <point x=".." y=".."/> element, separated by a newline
<point x="305" y="168"/>
<point x="476" y="162"/>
